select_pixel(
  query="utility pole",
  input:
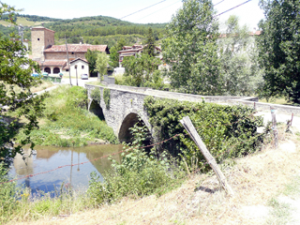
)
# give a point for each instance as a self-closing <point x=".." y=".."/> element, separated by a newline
<point x="76" y="75"/>
<point x="68" y="62"/>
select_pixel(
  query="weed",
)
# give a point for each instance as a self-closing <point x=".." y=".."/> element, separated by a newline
<point x="137" y="175"/>
<point x="106" y="97"/>
<point x="280" y="214"/>
<point x="96" y="95"/>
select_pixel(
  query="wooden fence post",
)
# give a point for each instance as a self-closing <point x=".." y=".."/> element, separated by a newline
<point x="289" y="123"/>
<point x="187" y="123"/>
<point x="274" y="128"/>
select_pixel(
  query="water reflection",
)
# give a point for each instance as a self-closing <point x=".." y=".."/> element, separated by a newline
<point x="47" y="158"/>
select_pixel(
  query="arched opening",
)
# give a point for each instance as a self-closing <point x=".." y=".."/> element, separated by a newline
<point x="126" y="136"/>
<point x="97" y="110"/>
<point x="47" y="70"/>
<point x="56" y="70"/>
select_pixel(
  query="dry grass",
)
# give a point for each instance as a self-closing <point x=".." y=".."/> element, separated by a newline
<point x="255" y="179"/>
<point x="277" y="100"/>
<point x="40" y="87"/>
<point x="44" y="85"/>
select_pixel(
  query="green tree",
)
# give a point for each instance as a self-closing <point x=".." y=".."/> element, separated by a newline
<point x="101" y="64"/>
<point x="279" y="48"/>
<point x="238" y="55"/>
<point x="121" y="43"/>
<point x="190" y="48"/>
<point x="91" y="57"/>
<point x="114" y="55"/>
<point x="15" y="94"/>
<point x="141" y="68"/>
<point x="150" y="43"/>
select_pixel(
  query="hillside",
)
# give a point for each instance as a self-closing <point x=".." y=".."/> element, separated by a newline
<point x="92" y="30"/>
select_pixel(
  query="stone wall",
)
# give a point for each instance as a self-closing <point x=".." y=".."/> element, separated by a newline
<point x="108" y="79"/>
<point x="63" y="55"/>
<point x="122" y="104"/>
<point x="125" y="101"/>
<point x="37" y="42"/>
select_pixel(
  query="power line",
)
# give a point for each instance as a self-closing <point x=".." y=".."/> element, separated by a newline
<point x="231" y="8"/>
<point x="171" y="5"/>
<point x="160" y="10"/>
<point x="143" y="9"/>
<point x="219" y="3"/>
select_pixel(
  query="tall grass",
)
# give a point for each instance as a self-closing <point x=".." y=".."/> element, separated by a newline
<point x="17" y="204"/>
<point x="136" y="176"/>
<point x="66" y="121"/>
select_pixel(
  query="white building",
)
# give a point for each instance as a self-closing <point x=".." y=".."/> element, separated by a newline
<point x="79" y="66"/>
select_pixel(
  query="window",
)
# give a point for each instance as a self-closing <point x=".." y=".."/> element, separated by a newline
<point x="72" y="53"/>
<point x="82" y="67"/>
<point x="38" y="39"/>
<point x="76" y="67"/>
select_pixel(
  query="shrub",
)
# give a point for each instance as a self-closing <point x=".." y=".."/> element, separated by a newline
<point x="96" y="95"/>
<point x="8" y="200"/>
<point x="106" y="97"/>
<point x="227" y="131"/>
<point x="138" y="174"/>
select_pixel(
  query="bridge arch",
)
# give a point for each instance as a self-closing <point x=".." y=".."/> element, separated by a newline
<point x="97" y="109"/>
<point x="129" y="121"/>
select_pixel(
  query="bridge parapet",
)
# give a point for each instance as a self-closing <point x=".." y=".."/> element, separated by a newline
<point x="126" y="103"/>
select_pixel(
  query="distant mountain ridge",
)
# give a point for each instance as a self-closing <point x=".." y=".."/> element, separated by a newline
<point x="92" y="30"/>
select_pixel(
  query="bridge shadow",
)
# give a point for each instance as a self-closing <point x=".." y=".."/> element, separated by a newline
<point x="125" y="135"/>
<point x="97" y="110"/>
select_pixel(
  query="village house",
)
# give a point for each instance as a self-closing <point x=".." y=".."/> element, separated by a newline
<point x="136" y="50"/>
<point x="53" y="59"/>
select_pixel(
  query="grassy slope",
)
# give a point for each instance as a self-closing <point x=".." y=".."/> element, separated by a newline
<point x="66" y="121"/>
<point x="257" y="180"/>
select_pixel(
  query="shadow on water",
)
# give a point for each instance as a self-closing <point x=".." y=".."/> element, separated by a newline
<point x="77" y="177"/>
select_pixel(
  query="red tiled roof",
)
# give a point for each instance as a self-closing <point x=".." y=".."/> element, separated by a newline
<point x="76" y="48"/>
<point x="53" y="63"/>
<point x="131" y="50"/>
<point x="79" y="59"/>
<point x="41" y="28"/>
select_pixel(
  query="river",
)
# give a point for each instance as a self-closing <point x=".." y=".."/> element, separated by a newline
<point x="77" y="177"/>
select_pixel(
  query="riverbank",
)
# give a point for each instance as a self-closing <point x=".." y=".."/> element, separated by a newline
<point x="66" y="122"/>
<point x="260" y="182"/>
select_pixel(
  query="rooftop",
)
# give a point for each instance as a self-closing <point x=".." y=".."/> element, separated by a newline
<point x="76" y="48"/>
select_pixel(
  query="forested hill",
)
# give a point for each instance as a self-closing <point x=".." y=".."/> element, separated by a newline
<point x="92" y="30"/>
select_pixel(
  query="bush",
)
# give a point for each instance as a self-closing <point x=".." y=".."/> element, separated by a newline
<point x="96" y="95"/>
<point x="106" y="97"/>
<point x="137" y="175"/>
<point x="8" y="200"/>
<point x="227" y="131"/>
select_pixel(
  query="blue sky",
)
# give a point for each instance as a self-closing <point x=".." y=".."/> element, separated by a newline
<point x="249" y="13"/>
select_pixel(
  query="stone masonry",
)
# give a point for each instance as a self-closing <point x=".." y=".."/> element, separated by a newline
<point x="127" y="103"/>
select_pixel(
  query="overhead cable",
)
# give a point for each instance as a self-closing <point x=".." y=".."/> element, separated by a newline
<point x="160" y="10"/>
<point x="143" y="9"/>
<point x="231" y="8"/>
<point x="219" y="3"/>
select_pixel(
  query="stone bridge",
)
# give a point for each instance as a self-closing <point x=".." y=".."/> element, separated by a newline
<point x="127" y="105"/>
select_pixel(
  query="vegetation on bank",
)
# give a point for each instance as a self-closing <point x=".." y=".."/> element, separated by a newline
<point x="136" y="176"/>
<point x="66" y="121"/>
<point x="227" y="131"/>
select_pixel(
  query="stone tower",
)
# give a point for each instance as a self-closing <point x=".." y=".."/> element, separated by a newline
<point x="41" y="38"/>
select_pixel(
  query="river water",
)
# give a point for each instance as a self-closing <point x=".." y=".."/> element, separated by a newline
<point x="77" y="177"/>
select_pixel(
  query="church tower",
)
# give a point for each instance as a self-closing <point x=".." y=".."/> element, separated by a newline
<point x="41" y="38"/>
